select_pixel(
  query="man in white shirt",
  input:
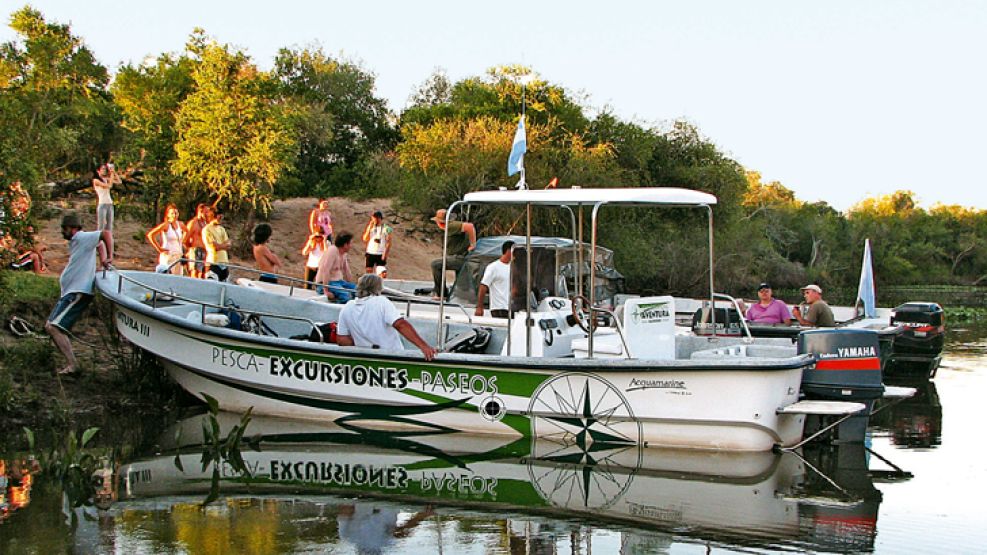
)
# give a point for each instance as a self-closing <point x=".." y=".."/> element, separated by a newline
<point x="497" y="282"/>
<point x="76" y="282"/>
<point x="371" y="321"/>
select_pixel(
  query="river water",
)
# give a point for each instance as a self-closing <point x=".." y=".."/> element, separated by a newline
<point x="915" y="487"/>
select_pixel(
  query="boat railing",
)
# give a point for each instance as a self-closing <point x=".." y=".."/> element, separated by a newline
<point x="293" y="282"/>
<point x="410" y="300"/>
<point x="613" y="318"/>
<point x="203" y="305"/>
<point x="743" y="321"/>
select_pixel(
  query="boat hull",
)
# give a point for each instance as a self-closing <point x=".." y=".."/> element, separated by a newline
<point x="704" y="404"/>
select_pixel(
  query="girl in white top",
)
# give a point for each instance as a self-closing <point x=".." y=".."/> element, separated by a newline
<point x="167" y="238"/>
<point x="314" y="247"/>
<point x="106" y="178"/>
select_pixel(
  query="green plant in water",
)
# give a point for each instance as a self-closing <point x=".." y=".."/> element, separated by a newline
<point x="966" y="314"/>
<point x="217" y="449"/>
<point x="71" y="464"/>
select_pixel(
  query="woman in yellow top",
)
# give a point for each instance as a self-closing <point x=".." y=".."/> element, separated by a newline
<point x="217" y="243"/>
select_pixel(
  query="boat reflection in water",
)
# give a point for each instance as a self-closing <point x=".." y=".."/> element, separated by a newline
<point x="915" y="422"/>
<point x="555" y="489"/>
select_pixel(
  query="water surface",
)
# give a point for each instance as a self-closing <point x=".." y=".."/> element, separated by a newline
<point x="915" y="487"/>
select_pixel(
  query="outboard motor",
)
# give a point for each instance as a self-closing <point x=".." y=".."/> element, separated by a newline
<point x="848" y="368"/>
<point x="917" y="349"/>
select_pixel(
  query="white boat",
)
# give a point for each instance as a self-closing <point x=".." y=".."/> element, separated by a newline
<point x="538" y="376"/>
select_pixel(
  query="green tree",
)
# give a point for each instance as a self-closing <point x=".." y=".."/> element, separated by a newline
<point x="233" y="142"/>
<point x="339" y="119"/>
<point x="498" y="94"/>
<point x="148" y="96"/>
<point x="632" y="145"/>
<point x="55" y="109"/>
<point x="452" y="157"/>
<point x="682" y="157"/>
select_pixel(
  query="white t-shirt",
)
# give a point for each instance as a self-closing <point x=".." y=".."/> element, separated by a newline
<point x="497" y="277"/>
<point x="370" y="528"/>
<point x="314" y="256"/>
<point x="370" y="321"/>
<point x="378" y="239"/>
<point x="80" y="273"/>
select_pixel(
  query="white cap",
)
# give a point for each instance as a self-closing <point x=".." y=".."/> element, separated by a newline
<point x="380" y="270"/>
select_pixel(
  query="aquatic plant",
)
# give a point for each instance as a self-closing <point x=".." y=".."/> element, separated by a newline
<point x="70" y="464"/>
<point x="966" y="313"/>
<point x="218" y="449"/>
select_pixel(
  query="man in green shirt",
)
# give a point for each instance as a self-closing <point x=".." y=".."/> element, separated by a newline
<point x="819" y="314"/>
<point x="456" y="257"/>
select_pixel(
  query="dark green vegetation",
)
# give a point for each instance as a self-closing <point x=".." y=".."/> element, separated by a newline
<point x="207" y="124"/>
<point x="116" y="379"/>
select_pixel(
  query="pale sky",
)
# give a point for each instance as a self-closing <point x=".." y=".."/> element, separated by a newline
<point x="837" y="100"/>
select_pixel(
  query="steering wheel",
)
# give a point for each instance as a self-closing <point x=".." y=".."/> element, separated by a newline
<point x="582" y="317"/>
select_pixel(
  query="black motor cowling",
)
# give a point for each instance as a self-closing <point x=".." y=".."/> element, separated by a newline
<point x="917" y="348"/>
<point x="727" y="322"/>
<point x="925" y="327"/>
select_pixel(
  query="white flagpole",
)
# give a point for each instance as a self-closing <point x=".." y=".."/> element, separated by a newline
<point x="522" y="184"/>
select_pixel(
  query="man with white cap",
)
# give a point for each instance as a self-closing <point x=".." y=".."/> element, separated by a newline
<point x="818" y="314"/>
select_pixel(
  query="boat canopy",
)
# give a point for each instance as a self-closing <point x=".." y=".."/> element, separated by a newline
<point x="670" y="196"/>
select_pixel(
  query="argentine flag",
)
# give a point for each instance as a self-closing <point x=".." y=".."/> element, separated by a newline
<point x="515" y="162"/>
<point x="865" y="291"/>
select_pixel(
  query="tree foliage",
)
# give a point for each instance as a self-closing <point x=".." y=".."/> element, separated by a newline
<point x="55" y="109"/>
<point x="339" y="119"/>
<point x="148" y="96"/>
<point x="232" y="138"/>
<point x="207" y="124"/>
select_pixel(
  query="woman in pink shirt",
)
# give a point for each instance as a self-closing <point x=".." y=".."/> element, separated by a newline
<point x="768" y="310"/>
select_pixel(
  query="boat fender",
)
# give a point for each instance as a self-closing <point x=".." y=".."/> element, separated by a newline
<point x="217" y="320"/>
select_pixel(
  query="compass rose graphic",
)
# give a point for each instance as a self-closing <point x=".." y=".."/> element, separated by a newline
<point x="586" y="441"/>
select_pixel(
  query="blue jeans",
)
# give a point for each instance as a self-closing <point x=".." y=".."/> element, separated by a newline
<point x="343" y="290"/>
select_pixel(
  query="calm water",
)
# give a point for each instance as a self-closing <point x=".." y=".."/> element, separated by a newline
<point x="918" y="488"/>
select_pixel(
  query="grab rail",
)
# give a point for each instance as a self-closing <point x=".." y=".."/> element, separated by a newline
<point x="291" y="279"/>
<point x="204" y="304"/>
<point x="616" y="321"/>
<point x="743" y="321"/>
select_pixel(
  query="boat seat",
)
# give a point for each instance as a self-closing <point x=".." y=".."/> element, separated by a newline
<point x="474" y="340"/>
<point x="605" y="345"/>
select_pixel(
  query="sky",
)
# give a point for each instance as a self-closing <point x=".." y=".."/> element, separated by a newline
<point x="837" y="100"/>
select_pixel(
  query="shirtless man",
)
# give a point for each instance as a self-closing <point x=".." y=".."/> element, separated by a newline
<point x="267" y="261"/>
<point x="193" y="241"/>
